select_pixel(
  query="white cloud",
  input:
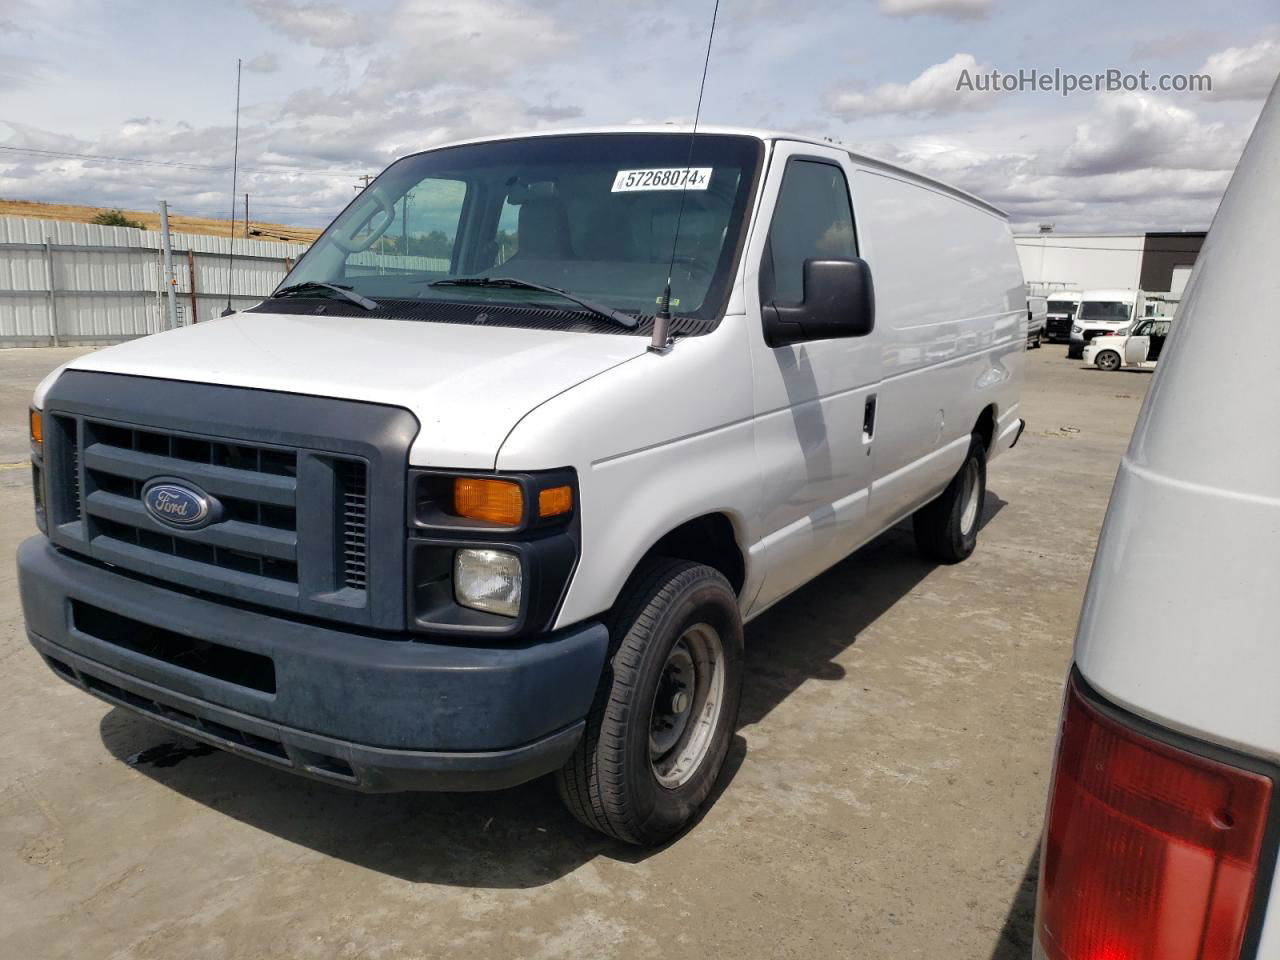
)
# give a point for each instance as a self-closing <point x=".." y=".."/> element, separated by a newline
<point x="954" y="9"/>
<point x="263" y="63"/>
<point x="1135" y="131"/>
<point x="453" y="41"/>
<point x="932" y="92"/>
<point x="1243" y="73"/>
<point x="323" y="24"/>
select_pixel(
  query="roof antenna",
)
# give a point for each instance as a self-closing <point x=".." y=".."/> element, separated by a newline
<point x="235" y="162"/>
<point x="661" y="341"/>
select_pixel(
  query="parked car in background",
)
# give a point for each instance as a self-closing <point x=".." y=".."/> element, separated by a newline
<point x="1037" y="309"/>
<point x="1102" y="311"/>
<point x="1163" y="821"/>
<point x="1060" y="313"/>
<point x="1138" y="345"/>
<point x="458" y="522"/>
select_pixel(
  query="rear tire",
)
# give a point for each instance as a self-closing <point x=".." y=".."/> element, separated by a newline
<point x="666" y="709"/>
<point x="946" y="529"/>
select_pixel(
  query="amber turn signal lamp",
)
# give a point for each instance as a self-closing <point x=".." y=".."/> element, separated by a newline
<point x="37" y="427"/>
<point x="555" y="501"/>
<point x="494" y="501"/>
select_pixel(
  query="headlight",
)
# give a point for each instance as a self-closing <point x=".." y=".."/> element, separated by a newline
<point x="1076" y="328"/>
<point x="488" y="580"/>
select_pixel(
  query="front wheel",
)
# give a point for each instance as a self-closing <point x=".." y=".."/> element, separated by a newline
<point x="946" y="529"/>
<point x="1107" y="360"/>
<point x="667" y="706"/>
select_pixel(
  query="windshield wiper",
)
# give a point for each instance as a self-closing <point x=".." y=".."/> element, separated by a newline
<point x="314" y="286"/>
<point x="511" y="283"/>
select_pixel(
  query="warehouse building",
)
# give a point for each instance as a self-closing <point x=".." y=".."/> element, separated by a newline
<point x="1155" y="262"/>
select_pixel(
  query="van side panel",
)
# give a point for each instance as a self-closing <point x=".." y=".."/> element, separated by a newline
<point x="951" y="317"/>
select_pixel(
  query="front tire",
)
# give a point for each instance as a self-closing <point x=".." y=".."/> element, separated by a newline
<point x="946" y="529"/>
<point x="667" y="706"/>
<point x="1107" y="360"/>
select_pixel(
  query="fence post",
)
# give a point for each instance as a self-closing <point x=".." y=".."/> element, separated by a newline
<point x="53" y="299"/>
<point x="191" y="272"/>
<point x="169" y="281"/>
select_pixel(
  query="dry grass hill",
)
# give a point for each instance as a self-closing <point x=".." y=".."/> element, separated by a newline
<point x="150" y="219"/>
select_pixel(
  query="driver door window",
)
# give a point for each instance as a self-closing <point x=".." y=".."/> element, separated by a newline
<point x="813" y="219"/>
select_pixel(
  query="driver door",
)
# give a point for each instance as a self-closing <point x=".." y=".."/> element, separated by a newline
<point x="815" y="401"/>
<point x="1139" y="342"/>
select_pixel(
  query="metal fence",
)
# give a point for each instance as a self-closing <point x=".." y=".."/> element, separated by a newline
<point x="80" y="283"/>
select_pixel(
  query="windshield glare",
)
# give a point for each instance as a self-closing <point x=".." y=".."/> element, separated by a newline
<point x="1110" y="311"/>
<point x="594" y="215"/>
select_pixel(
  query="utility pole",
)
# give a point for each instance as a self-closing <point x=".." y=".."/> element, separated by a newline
<point x="364" y="178"/>
<point x="404" y="224"/>
<point x="167" y="244"/>
<point x="246" y="216"/>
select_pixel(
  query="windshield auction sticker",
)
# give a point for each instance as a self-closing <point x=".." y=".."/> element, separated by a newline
<point x="667" y="178"/>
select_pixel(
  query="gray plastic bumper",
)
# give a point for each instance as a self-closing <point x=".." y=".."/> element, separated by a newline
<point x="369" y="711"/>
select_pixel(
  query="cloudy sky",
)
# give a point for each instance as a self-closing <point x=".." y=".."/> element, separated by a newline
<point x="332" y="90"/>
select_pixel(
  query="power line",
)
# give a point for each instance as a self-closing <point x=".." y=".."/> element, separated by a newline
<point x="67" y="155"/>
<point x="102" y="158"/>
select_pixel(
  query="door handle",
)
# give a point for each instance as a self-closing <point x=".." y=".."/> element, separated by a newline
<point x="869" y="419"/>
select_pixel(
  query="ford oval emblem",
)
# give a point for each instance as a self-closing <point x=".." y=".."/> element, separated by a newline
<point x="178" y="504"/>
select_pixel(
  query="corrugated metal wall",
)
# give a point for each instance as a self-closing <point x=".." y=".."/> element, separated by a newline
<point x="108" y="282"/>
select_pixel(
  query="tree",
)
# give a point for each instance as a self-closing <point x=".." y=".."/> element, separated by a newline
<point x="115" y="218"/>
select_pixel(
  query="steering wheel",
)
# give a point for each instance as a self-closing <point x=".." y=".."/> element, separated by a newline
<point x="386" y="207"/>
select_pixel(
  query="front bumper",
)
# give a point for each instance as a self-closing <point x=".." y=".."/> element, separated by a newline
<point x="375" y="712"/>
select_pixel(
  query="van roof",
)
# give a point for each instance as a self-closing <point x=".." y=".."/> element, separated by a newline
<point x="769" y="136"/>
<point x="1063" y="295"/>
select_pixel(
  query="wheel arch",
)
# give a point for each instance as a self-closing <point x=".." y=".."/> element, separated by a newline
<point x="985" y="425"/>
<point x="711" y="539"/>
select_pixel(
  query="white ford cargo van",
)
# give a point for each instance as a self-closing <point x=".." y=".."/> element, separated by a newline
<point x="1101" y="312"/>
<point x="1164" y="815"/>
<point x="443" y="513"/>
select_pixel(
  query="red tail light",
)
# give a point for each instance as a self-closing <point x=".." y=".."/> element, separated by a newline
<point x="1150" y="852"/>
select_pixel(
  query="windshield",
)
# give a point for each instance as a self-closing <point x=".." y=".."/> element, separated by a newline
<point x="1064" y="307"/>
<point x="1107" y="311"/>
<point x="592" y="215"/>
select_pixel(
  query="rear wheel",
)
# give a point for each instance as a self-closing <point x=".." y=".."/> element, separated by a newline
<point x="946" y="529"/>
<point x="1107" y="360"/>
<point x="666" y="709"/>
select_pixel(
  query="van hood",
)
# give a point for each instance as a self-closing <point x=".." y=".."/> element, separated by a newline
<point x="467" y="385"/>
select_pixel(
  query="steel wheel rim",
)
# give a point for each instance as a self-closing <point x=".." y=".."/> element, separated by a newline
<point x="687" y="705"/>
<point x="969" y="498"/>
<point x="1109" y="361"/>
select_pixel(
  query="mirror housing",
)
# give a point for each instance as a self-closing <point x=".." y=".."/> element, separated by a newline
<point x="839" y="301"/>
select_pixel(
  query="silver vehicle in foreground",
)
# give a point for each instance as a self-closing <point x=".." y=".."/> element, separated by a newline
<point x="1163" y="822"/>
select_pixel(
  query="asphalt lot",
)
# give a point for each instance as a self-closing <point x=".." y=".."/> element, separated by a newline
<point x="883" y="799"/>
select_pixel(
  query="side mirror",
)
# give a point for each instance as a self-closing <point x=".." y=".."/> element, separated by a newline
<point x="839" y="301"/>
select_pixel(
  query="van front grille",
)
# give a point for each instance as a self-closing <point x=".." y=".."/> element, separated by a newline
<point x="306" y="494"/>
<point x="256" y="486"/>
<point x="353" y="481"/>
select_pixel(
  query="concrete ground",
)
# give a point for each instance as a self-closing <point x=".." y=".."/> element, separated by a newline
<point x="883" y="798"/>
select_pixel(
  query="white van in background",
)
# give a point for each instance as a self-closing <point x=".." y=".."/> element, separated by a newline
<point x="1163" y="821"/>
<point x="1100" y="312"/>
<point x="1060" y="313"/>
<point x="1037" y="310"/>
<point x="450" y="511"/>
